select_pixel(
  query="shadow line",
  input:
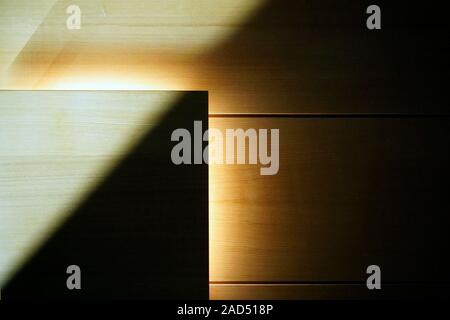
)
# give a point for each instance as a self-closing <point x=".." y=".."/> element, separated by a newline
<point x="143" y="234"/>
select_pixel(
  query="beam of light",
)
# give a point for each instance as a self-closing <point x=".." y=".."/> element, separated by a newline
<point x="123" y="45"/>
<point x="145" y="32"/>
<point x="108" y="84"/>
<point x="15" y="33"/>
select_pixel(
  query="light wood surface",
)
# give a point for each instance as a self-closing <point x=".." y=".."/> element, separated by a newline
<point x="349" y="192"/>
<point x="86" y="179"/>
<point x="252" y="56"/>
<point x="322" y="291"/>
<point x="56" y="148"/>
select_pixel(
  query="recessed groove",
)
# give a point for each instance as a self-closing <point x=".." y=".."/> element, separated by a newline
<point x="333" y="283"/>
<point x="332" y="115"/>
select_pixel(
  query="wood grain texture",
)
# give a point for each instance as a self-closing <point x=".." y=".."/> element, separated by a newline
<point x="59" y="147"/>
<point x="138" y="229"/>
<point x="325" y="292"/>
<point x="137" y="44"/>
<point x="349" y="193"/>
<point x="252" y="56"/>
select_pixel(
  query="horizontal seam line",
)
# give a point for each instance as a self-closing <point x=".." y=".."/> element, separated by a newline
<point x="406" y="283"/>
<point x="329" y="115"/>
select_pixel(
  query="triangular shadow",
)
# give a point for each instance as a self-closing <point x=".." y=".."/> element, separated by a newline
<point x="143" y="234"/>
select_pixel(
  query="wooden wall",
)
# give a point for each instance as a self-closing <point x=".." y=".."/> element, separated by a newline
<point x="363" y="151"/>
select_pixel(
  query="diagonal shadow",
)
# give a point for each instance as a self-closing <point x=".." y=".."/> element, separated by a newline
<point x="319" y="57"/>
<point x="143" y="234"/>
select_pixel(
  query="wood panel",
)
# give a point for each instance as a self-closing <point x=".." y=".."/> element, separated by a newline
<point x="252" y="56"/>
<point x="325" y="291"/>
<point x="86" y="179"/>
<point x="349" y="193"/>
